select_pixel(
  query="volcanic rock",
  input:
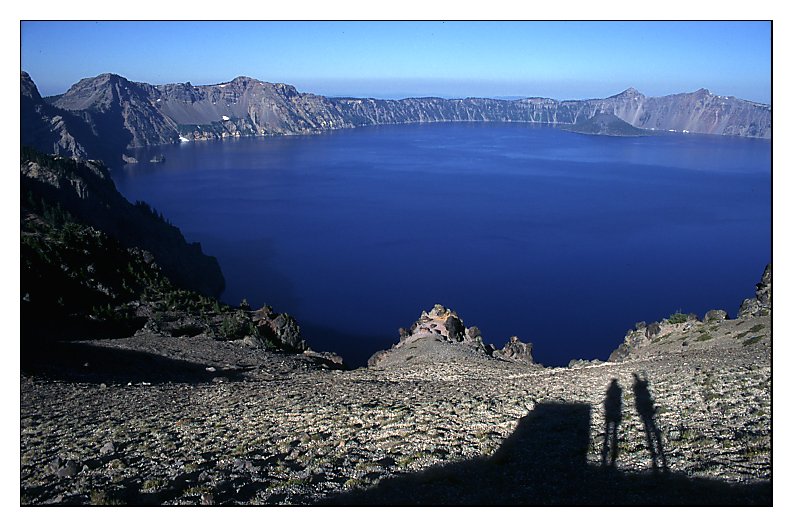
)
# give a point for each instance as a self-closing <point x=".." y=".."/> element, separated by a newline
<point x="280" y="328"/>
<point x="760" y="305"/>
<point x="515" y="350"/>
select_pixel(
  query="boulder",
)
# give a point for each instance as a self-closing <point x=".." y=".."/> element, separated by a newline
<point x="280" y="328"/>
<point x="454" y="328"/>
<point x="652" y="330"/>
<point x="715" y="315"/>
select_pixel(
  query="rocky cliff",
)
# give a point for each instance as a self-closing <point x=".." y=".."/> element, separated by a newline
<point x="50" y="129"/>
<point x="104" y="115"/>
<point x="85" y="191"/>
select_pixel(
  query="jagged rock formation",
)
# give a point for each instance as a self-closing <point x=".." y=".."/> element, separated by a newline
<point x="443" y="322"/>
<point x="516" y="350"/>
<point x="760" y="305"/>
<point x="104" y="115"/>
<point x="686" y="332"/>
<point x="280" y="327"/>
<point x="85" y="190"/>
<point x="440" y="333"/>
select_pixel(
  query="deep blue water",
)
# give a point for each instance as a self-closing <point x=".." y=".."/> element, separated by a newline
<point x="564" y="240"/>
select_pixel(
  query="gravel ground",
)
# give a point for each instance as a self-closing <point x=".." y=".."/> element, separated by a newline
<point x="191" y="421"/>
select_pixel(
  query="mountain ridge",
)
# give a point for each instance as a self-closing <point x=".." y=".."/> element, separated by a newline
<point x="108" y="115"/>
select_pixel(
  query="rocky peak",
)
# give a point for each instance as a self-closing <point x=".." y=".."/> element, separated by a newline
<point x="444" y="327"/>
<point x="28" y="88"/>
<point x="98" y="93"/>
<point x="242" y="79"/>
<point x="630" y="93"/>
<point x="439" y="321"/>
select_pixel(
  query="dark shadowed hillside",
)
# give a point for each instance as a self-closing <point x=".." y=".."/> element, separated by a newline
<point x="84" y="190"/>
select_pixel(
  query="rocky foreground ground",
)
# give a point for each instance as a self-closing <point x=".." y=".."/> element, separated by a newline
<point x="189" y="420"/>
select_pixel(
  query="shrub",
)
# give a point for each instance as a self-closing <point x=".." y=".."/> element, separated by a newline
<point x="677" y="318"/>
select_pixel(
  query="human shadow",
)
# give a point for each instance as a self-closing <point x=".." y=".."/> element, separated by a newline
<point x="612" y="406"/>
<point x="544" y="463"/>
<point x="645" y="406"/>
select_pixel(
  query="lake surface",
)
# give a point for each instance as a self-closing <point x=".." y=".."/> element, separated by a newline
<point x="564" y="240"/>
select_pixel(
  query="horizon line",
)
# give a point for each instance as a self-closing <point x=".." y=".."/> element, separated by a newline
<point x="396" y="98"/>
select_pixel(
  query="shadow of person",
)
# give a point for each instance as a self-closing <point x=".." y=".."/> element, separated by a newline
<point x="544" y="462"/>
<point x="613" y="410"/>
<point x="646" y="408"/>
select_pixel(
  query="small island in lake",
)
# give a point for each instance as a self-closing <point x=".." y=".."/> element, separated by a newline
<point x="605" y="124"/>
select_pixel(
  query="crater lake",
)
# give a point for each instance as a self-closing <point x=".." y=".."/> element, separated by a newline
<point x="564" y="240"/>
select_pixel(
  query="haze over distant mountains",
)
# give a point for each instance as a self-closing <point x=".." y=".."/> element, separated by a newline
<point x="105" y="116"/>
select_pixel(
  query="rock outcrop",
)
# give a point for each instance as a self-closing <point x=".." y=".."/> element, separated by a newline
<point x="685" y="332"/>
<point x="515" y="350"/>
<point x="760" y="305"/>
<point x="280" y="328"/>
<point x="439" y="321"/>
<point x="442" y="332"/>
<point x="103" y="116"/>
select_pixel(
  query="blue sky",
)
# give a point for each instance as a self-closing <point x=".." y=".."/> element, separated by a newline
<point x="562" y="60"/>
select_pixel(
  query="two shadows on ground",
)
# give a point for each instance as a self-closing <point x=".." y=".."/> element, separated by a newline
<point x="645" y="406"/>
<point x="544" y="462"/>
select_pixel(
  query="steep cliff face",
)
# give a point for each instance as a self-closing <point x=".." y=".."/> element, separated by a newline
<point x="110" y="113"/>
<point x="698" y="112"/>
<point x="84" y="190"/>
<point x="47" y="128"/>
